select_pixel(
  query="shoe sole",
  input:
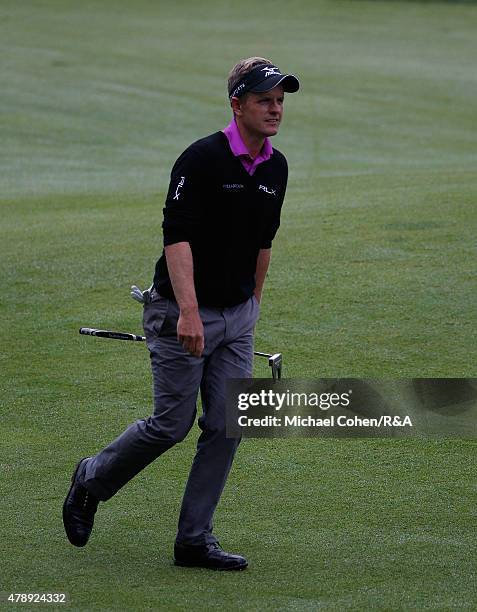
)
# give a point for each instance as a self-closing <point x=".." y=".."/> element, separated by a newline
<point x="236" y="568"/>
<point x="73" y="478"/>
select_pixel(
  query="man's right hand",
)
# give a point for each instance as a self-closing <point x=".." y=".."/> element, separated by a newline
<point x="190" y="331"/>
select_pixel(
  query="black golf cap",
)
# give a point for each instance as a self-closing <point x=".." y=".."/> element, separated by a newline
<point x="264" y="78"/>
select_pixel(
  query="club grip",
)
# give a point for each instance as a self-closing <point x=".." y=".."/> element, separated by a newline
<point x="87" y="331"/>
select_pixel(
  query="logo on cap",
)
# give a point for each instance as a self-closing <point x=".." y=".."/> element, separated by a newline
<point x="271" y="71"/>
<point x="237" y="89"/>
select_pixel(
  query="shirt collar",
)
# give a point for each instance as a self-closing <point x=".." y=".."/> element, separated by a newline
<point x="238" y="146"/>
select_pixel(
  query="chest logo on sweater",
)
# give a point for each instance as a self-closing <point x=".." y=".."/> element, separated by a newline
<point x="232" y="186"/>
<point x="267" y="190"/>
<point x="179" y="186"/>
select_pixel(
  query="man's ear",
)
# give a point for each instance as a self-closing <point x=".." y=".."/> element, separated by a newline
<point x="236" y="105"/>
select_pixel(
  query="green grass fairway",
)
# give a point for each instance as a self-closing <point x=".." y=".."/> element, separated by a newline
<point x="373" y="275"/>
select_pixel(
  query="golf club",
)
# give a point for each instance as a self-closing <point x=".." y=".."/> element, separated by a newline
<point x="275" y="360"/>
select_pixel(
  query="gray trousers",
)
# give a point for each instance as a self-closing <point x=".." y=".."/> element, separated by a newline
<point x="177" y="377"/>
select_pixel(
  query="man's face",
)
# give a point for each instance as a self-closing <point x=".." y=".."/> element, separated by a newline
<point x="261" y="114"/>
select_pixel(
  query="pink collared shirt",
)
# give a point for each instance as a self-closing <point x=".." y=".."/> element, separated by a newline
<point x="240" y="150"/>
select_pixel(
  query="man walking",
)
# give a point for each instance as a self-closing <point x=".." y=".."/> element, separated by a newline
<point x="222" y="212"/>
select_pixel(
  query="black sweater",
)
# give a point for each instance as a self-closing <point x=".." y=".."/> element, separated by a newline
<point x="225" y="215"/>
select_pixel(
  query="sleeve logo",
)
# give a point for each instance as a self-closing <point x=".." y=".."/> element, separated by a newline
<point x="179" y="186"/>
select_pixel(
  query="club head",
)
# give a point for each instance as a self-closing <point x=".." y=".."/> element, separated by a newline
<point x="275" y="362"/>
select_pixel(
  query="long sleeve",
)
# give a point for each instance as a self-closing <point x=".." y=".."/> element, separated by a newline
<point x="274" y="219"/>
<point x="181" y="212"/>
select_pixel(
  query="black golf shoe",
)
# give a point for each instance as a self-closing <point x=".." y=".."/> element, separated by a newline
<point x="79" y="509"/>
<point x="210" y="556"/>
